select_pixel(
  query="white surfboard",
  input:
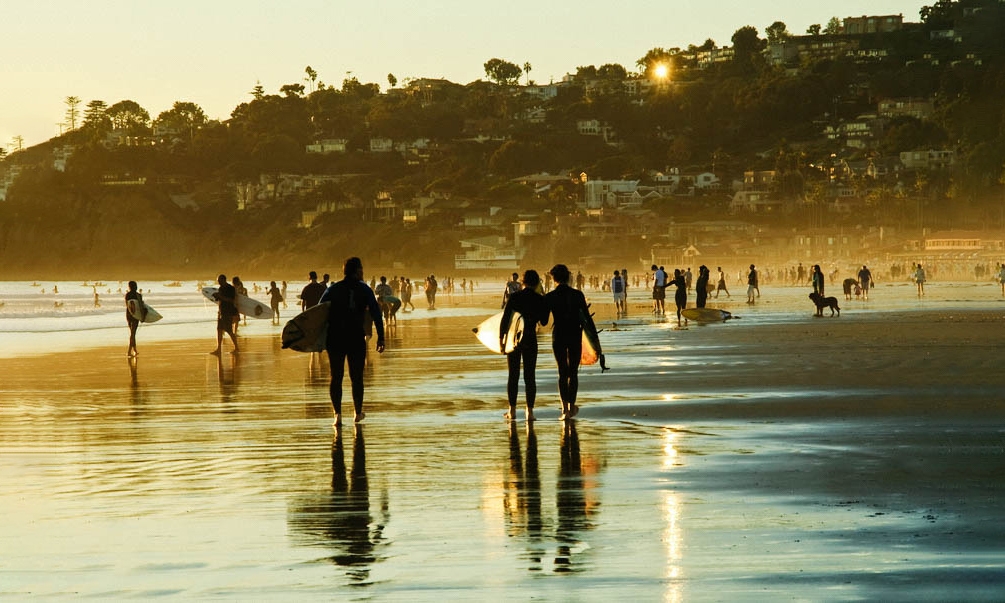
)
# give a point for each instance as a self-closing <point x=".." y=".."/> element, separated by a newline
<point x="137" y="311"/>
<point x="245" y="305"/>
<point x="488" y="333"/>
<point x="307" y="331"/>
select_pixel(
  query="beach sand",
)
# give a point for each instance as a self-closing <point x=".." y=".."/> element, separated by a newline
<point x="778" y="456"/>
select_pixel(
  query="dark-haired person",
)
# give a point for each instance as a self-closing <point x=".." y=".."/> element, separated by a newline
<point x="131" y="320"/>
<point x="568" y="309"/>
<point x="227" y="313"/>
<point x="311" y="293"/>
<point x="701" y="286"/>
<point x="531" y="305"/>
<point x="680" y="295"/>
<point x="346" y="339"/>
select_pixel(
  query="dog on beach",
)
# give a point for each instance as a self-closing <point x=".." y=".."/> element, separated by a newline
<point x="825" y="302"/>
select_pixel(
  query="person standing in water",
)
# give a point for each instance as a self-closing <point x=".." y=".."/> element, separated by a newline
<point x="227" y="315"/>
<point x="919" y="279"/>
<point x="346" y="338"/>
<point x="720" y="284"/>
<point x="568" y="309"/>
<point x="531" y="305"/>
<point x="865" y="281"/>
<point x="619" y="290"/>
<point x="276" y="298"/>
<point x="680" y="295"/>
<point x="752" y="285"/>
<point x="131" y="320"/>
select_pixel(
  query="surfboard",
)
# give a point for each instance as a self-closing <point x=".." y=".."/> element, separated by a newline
<point x="307" y="331"/>
<point x="706" y="314"/>
<point x="488" y="333"/>
<point x="136" y="311"/>
<point x="245" y="305"/>
<point x="591" y="341"/>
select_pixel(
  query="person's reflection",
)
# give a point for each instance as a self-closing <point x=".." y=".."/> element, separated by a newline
<point x="136" y="394"/>
<point x="340" y="518"/>
<point x="228" y="381"/>
<point x="523" y="495"/>
<point x="570" y="499"/>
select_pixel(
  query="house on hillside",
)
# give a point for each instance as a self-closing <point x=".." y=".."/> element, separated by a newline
<point x="930" y="160"/>
<point x="488" y="253"/>
<point x="328" y="145"/>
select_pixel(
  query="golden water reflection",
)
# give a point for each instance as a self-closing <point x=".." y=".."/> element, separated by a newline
<point x="671" y="510"/>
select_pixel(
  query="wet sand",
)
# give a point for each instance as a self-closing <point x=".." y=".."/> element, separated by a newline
<point x="775" y="457"/>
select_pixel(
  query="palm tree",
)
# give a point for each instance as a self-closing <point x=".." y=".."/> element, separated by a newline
<point x="526" y="70"/>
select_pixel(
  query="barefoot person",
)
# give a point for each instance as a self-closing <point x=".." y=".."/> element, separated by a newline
<point x="275" y="298"/>
<point x="568" y="310"/>
<point x="227" y="314"/>
<point x="531" y="305"/>
<point x="131" y="320"/>
<point x="346" y="340"/>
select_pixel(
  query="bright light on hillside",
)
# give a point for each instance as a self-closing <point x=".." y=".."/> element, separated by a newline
<point x="661" y="71"/>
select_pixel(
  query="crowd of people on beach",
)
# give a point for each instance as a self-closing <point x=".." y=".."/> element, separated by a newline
<point x="358" y="309"/>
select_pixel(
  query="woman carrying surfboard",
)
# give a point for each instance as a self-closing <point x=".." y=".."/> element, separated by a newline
<point x="132" y="321"/>
<point x="569" y="312"/>
<point x="531" y="306"/>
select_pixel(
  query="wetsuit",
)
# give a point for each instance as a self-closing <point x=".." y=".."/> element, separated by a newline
<point x="227" y="296"/>
<point x="701" y="289"/>
<point x="534" y="310"/>
<point x="346" y="339"/>
<point x="567" y="307"/>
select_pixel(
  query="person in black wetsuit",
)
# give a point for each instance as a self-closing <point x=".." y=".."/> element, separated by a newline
<point x="679" y="296"/>
<point x="531" y="305"/>
<point x="568" y="309"/>
<point x="701" y="286"/>
<point x="346" y="340"/>
<point x="227" y="315"/>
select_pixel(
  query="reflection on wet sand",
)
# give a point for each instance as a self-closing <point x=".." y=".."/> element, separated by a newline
<point x="341" y="518"/>
<point x="570" y="500"/>
<point x="522" y="500"/>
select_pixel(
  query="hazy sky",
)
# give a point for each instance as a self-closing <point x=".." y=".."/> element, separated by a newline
<point x="212" y="52"/>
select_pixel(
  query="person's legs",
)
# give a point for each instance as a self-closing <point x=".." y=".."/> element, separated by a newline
<point x="357" y="362"/>
<point x="512" y="382"/>
<point x="336" y="360"/>
<point x="530" y="378"/>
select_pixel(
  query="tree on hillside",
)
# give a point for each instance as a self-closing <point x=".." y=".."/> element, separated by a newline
<point x="129" y="116"/>
<point x="502" y="72"/>
<point x="813" y="30"/>
<point x="747" y="47"/>
<point x="833" y="27"/>
<point x="312" y="76"/>
<point x="96" y="117"/>
<point x="654" y="57"/>
<point x="17" y="143"/>
<point x="391" y="80"/>
<point x="258" y="91"/>
<point x="72" y="113"/>
<point x="526" y="70"/>
<point x="292" y="90"/>
<point x="182" y="118"/>
<point x="612" y="71"/>
<point x="777" y="32"/>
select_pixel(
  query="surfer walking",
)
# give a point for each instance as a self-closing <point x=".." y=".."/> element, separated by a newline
<point x="532" y="307"/>
<point x="132" y="321"/>
<point x="227" y="314"/>
<point x="346" y="338"/>
<point x="569" y="311"/>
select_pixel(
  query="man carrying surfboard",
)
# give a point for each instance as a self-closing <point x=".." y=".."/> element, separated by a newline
<point x="569" y="312"/>
<point x="346" y="340"/>
<point x="227" y="314"/>
<point x="531" y="305"/>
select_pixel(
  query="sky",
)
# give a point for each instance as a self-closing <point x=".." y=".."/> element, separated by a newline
<point x="213" y="52"/>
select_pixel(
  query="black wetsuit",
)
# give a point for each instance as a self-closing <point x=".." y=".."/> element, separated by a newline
<point x="346" y="339"/>
<point x="567" y="307"/>
<point x="701" y="289"/>
<point x="534" y="310"/>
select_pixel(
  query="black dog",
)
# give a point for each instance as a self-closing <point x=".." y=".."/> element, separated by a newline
<point x="825" y="302"/>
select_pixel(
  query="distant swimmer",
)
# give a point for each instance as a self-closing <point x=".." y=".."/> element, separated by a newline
<point x="532" y="307"/>
<point x="132" y="321"/>
<point x="227" y="314"/>
<point x="346" y="339"/>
